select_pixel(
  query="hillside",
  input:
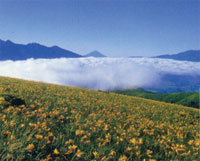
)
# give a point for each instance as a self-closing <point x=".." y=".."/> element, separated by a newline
<point x="12" y="51"/>
<point x="190" y="55"/>
<point x="41" y="121"/>
<point x="190" y="99"/>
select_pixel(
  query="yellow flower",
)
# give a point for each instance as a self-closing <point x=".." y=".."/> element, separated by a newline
<point x="29" y="139"/>
<point x="50" y="134"/>
<point x="105" y="127"/>
<point x="108" y="136"/>
<point x="69" y="152"/>
<point x="79" y="153"/>
<point x="32" y="106"/>
<point x="39" y="137"/>
<point x="61" y="117"/>
<point x="87" y="142"/>
<point x="69" y="142"/>
<point x="149" y="153"/>
<point x="197" y="142"/>
<point x="104" y="158"/>
<point x="30" y="147"/>
<point x="73" y="147"/>
<point x="140" y="141"/>
<point x="2" y="99"/>
<point x="121" y="139"/>
<point x="128" y="149"/>
<point x="12" y="123"/>
<point x="79" y="132"/>
<point x="49" y="157"/>
<point x="137" y="153"/>
<point x="96" y="155"/>
<point x="56" y="151"/>
<point x="7" y="132"/>
<point x="133" y="141"/>
<point x="190" y="142"/>
<point x="123" y="158"/>
<point x="112" y="153"/>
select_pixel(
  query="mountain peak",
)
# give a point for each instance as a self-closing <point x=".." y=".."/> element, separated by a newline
<point x="95" y="53"/>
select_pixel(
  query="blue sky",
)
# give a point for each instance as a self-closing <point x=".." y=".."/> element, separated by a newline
<point x="116" y="28"/>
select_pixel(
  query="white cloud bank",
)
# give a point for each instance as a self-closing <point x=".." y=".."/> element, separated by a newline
<point x="98" y="73"/>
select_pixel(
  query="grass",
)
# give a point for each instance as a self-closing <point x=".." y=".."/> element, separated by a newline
<point x="41" y="121"/>
<point x="190" y="99"/>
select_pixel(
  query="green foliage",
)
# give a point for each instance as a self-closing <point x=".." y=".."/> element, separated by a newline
<point x="190" y="99"/>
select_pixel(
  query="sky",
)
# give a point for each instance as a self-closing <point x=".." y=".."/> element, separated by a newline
<point x="116" y="28"/>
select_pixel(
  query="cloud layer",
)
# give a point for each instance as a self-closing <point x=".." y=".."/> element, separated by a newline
<point x="99" y="73"/>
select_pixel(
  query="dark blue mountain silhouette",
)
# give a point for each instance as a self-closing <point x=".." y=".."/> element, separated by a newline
<point x="95" y="54"/>
<point x="12" y="51"/>
<point x="190" y="55"/>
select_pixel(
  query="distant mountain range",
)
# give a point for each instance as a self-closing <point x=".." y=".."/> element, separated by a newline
<point x="190" y="55"/>
<point x="95" y="54"/>
<point x="12" y="51"/>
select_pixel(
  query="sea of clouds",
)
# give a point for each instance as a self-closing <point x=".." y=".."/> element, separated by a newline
<point x="99" y="73"/>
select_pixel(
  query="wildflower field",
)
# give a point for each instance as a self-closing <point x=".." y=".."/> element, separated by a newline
<point x="41" y="121"/>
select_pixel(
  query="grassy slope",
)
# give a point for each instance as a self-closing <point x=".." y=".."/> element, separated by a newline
<point x="49" y="122"/>
<point x="190" y="99"/>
